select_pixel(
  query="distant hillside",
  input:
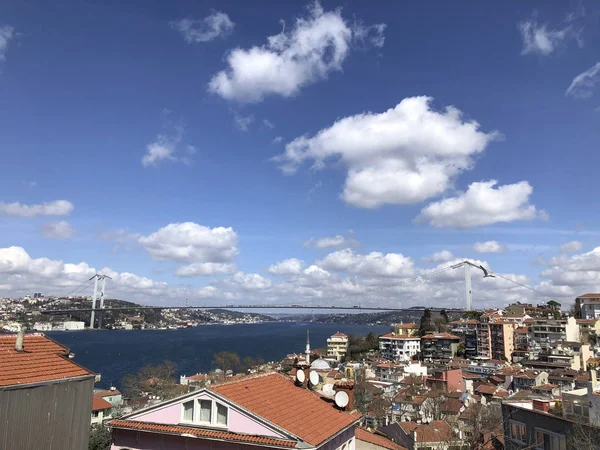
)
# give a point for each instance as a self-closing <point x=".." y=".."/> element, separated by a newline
<point x="379" y="318"/>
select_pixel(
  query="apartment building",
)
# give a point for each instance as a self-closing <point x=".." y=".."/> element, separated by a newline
<point x="439" y="346"/>
<point x="337" y="346"/>
<point x="502" y="339"/>
<point x="544" y="332"/>
<point x="468" y="330"/>
<point x="484" y="343"/>
<point x="589" y="305"/>
<point x="406" y="329"/>
<point x="399" y="347"/>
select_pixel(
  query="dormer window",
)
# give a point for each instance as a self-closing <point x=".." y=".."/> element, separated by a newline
<point x="204" y="412"/>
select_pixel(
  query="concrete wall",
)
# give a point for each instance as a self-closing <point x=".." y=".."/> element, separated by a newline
<point x="54" y="416"/>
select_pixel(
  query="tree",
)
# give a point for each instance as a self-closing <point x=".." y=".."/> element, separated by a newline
<point x="472" y="315"/>
<point x="583" y="437"/>
<point x="576" y="310"/>
<point x="227" y="361"/>
<point x="434" y="404"/>
<point x="426" y="325"/>
<point x="372" y="340"/>
<point x="250" y="362"/>
<point x="444" y="315"/>
<point x="156" y="380"/>
<point x="100" y="438"/>
<point x="553" y="304"/>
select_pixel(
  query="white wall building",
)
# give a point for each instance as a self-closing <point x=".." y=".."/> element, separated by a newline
<point x="590" y="306"/>
<point x="42" y="326"/>
<point x="396" y="347"/>
<point x="337" y="346"/>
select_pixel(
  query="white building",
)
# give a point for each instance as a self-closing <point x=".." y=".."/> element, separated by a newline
<point x="42" y="326"/>
<point x="590" y="305"/>
<point x="545" y="332"/>
<point x="337" y="346"/>
<point x="396" y="347"/>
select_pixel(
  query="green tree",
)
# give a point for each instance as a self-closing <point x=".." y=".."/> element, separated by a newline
<point x="157" y="380"/>
<point x="227" y="361"/>
<point x="372" y="341"/>
<point x="576" y="310"/>
<point x="251" y="362"/>
<point x="100" y="438"/>
<point x="553" y="304"/>
<point x="444" y="316"/>
<point x="472" y="315"/>
<point x="426" y="325"/>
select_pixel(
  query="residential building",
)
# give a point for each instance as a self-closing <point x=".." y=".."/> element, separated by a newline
<point x="112" y="396"/>
<point x="502" y="339"/>
<point x="389" y="371"/>
<point x="45" y="397"/>
<point x="399" y="347"/>
<point x="337" y="346"/>
<point x="366" y="440"/>
<point x="484" y="343"/>
<point x="589" y="305"/>
<point x="544" y="332"/>
<point x="435" y="435"/>
<point x="264" y="411"/>
<point x="446" y="380"/>
<point x="526" y="379"/>
<point x="200" y="379"/>
<point x="42" y="326"/>
<point x="439" y="346"/>
<point x="468" y="330"/>
<point x="406" y="329"/>
<point x="101" y="410"/>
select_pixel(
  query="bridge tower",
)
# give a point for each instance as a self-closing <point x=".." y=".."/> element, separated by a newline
<point x="100" y="300"/>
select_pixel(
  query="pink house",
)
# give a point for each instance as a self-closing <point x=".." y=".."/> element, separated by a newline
<point x="267" y="411"/>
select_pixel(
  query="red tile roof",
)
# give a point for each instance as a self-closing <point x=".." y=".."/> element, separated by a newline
<point x="107" y="393"/>
<point x="98" y="403"/>
<point x="522" y="330"/>
<point x="399" y="336"/>
<point x="589" y="296"/>
<point x="434" y="431"/>
<point x="299" y="411"/>
<point x="42" y="360"/>
<point x="488" y="389"/>
<point x="338" y="334"/>
<point x="407" y="326"/>
<point x="366" y="436"/>
<point x="200" y="432"/>
<point x="440" y="336"/>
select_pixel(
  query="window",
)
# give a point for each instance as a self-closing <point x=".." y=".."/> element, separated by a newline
<point x="518" y="432"/>
<point x="221" y="414"/>
<point x="545" y="440"/>
<point x="205" y="411"/>
<point x="188" y="411"/>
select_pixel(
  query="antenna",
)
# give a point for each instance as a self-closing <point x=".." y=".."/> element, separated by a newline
<point x="328" y="390"/>
<point x="300" y="376"/>
<point x="341" y="399"/>
<point x="313" y="377"/>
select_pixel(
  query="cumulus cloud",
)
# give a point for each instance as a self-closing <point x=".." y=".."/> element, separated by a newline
<point x="267" y="123"/>
<point x="190" y="242"/>
<point x="216" y="25"/>
<point x="405" y="155"/>
<point x="168" y="147"/>
<point x="251" y="281"/>
<point x="314" y="47"/>
<point x="571" y="247"/>
<point x="54" y="208"/>
<point x="544" y="40"/>
<point x="291" y="266"/>
<point x="439" y="257"/>
<point x="576" y="274"/>
<point x="584" y="84"/>
<point x="201" y="269"/>
<point x="373" y="264"/>
<point x="243" y="123"/>
<point x="483" y="204"/>
<point x="333" y="241"/>
<point x="58" y="230"/>
<point x="489" y="247"/>
<point x="7" y="33"/>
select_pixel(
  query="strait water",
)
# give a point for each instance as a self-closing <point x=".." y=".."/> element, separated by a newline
<point x="116" y="353"/>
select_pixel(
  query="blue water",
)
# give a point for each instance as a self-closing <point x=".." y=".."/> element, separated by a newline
<point x="113" y="354"/>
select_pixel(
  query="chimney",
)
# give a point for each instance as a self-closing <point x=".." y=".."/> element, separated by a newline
<point x="348" y="387"/>
<point x="540" y="405"/>
<point x="20" y="339"/>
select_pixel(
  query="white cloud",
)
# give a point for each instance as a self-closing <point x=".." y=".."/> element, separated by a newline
<point x="483" y="204"/>
<point x="374" y="264"/>
<point x="291" y="266"/>
<point x="267" y="123"/>
<point x="54" y="208"/>
<point x="571" y="247"/>
<point x="251" y="281"/>
<point x="58" y="230"/>
<point x="439" y="257"/>
<point x="190" y="242"/>
<point x="372" y="34"/>
<point x="168" y="147"/>
<point x="6" y="34"/>
<point x="333" y="241"/>
<point x="404" y="155"/>
<point x="216" y="25"/>
<point x="577" y="274"/>
<point x="277" y="139"/>
<point x="542" y="39"/>
<point x="243" y="123"/>
<point x="489" y="247"/>
<point x="314" y="47"/>
<point x="200" y="269"/>
<point x="583" y="85"/>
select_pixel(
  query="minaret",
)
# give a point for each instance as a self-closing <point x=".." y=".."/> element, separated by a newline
<point x="307" y="348"/>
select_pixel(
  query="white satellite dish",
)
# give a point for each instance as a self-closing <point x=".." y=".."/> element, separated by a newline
<point x="341" y="399"/>
<point x="313" y="377"/>
<point x="328" y="390"/>
<point x="300" y="376"/>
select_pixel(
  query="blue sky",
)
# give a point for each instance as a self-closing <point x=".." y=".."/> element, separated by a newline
<point x="182" y="141"/>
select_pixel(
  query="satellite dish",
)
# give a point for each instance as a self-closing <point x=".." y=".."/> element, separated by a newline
<point x="300" y="376"/>
<point x="341" y="399"/>
<point x="328" y="390"/>
<point x="313" y="377"/>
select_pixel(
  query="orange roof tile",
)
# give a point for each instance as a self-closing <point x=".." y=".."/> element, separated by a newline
<point x="98" y="403"/>
<point x="407" y="326"/>
<point x="366" y="436"/>
<point x="200" y="432"/>
<point x="400" y="336"/>
<point x="107" y="393"/>
<point x="434" y="431"/>
<point x="338" y="334"/>
<point x="440" y="336"/>
<point x="589" y="296"/>
<point x="297" y="410"/>
<point x="42" y="360"/>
